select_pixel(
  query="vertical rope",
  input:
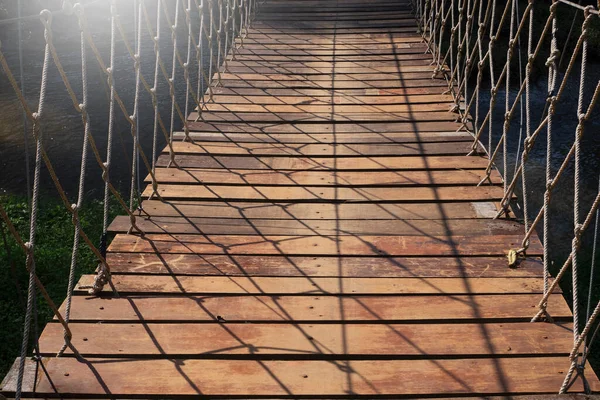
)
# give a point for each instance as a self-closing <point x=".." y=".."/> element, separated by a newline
<point x="174" y="68"/>
<point x="111" y="124"/>
<point x="134" y="116"/>
<point x="552" y="74"/>
<point x="493" y="88"/>
<point x="187" y="64"/>
<point x="578" y="227"/>
<point x="46" y="17"/>
<point x="76" y="207"/>
<point x="24" y="114"/>
<point x="156" y="40"/>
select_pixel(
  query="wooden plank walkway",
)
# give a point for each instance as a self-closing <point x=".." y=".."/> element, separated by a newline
<point x="323" y="237"/>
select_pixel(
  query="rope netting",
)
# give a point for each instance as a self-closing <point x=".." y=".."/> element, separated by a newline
<point x="482" y="43"/>
<point x="193" y="24"/>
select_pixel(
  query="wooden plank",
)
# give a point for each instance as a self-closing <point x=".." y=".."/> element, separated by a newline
<point x="284" y="264"/>
<point x="391" y="51"/>
<point x="344" y="111"/>
<point x="303" y="211"/>
<point x="320" y="193"/>
<point x="196" y="285"/>
<point x="341" y="102"/>
<point x="338" y="85"/>
<point x="306" y="238"/>
<point x="307" y="378"/>
<point x="332" y="46"/>
<point x="315" y="308"/>
<point x="440" y="116"/>
<point x="318" y="163"/>
<point x="310" y="341"/>
<point x="308" y="69"/>
<point x="370" y="127"/>
<point x="340" y="138"/>
<point x="412" y="58"/>
<point x="411" y="243"/>
<point x="330" y="41"/>
<point x="409" y="91"/>
<point x="321" y="150"/>
<point x="323" y="178"/>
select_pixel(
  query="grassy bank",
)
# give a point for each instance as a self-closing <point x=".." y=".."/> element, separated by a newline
<point x="53" y="257"/>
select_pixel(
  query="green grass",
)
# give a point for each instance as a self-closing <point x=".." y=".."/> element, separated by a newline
<point x="52" y="255"/>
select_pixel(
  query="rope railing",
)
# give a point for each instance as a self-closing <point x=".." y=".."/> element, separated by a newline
<point x="459" y="45"/>
<point x="188" y="72"/>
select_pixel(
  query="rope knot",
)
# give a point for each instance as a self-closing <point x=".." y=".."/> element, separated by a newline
<point x="577" y="234"/>
<point x="552" y="58"/>
<point x="492" y="39"/>
<point x="46" y="18"/>
<point x="28" y="246"/>
<point x="549" y="186"/>
<point x="552" y="101"/>
<point x="35" y="116"/>
<point x="581" y="118"/>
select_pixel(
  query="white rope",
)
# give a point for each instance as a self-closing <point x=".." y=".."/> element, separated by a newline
<point x="30" y="260"/>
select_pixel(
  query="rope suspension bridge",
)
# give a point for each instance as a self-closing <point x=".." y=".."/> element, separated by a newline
<point x="333" y="212"/>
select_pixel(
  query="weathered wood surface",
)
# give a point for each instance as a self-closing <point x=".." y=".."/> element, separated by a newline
<point x="322" y="234"/>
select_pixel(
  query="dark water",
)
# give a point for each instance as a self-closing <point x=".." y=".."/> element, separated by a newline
<point x="62" y="125"/>
<point x="563" y="134"/>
